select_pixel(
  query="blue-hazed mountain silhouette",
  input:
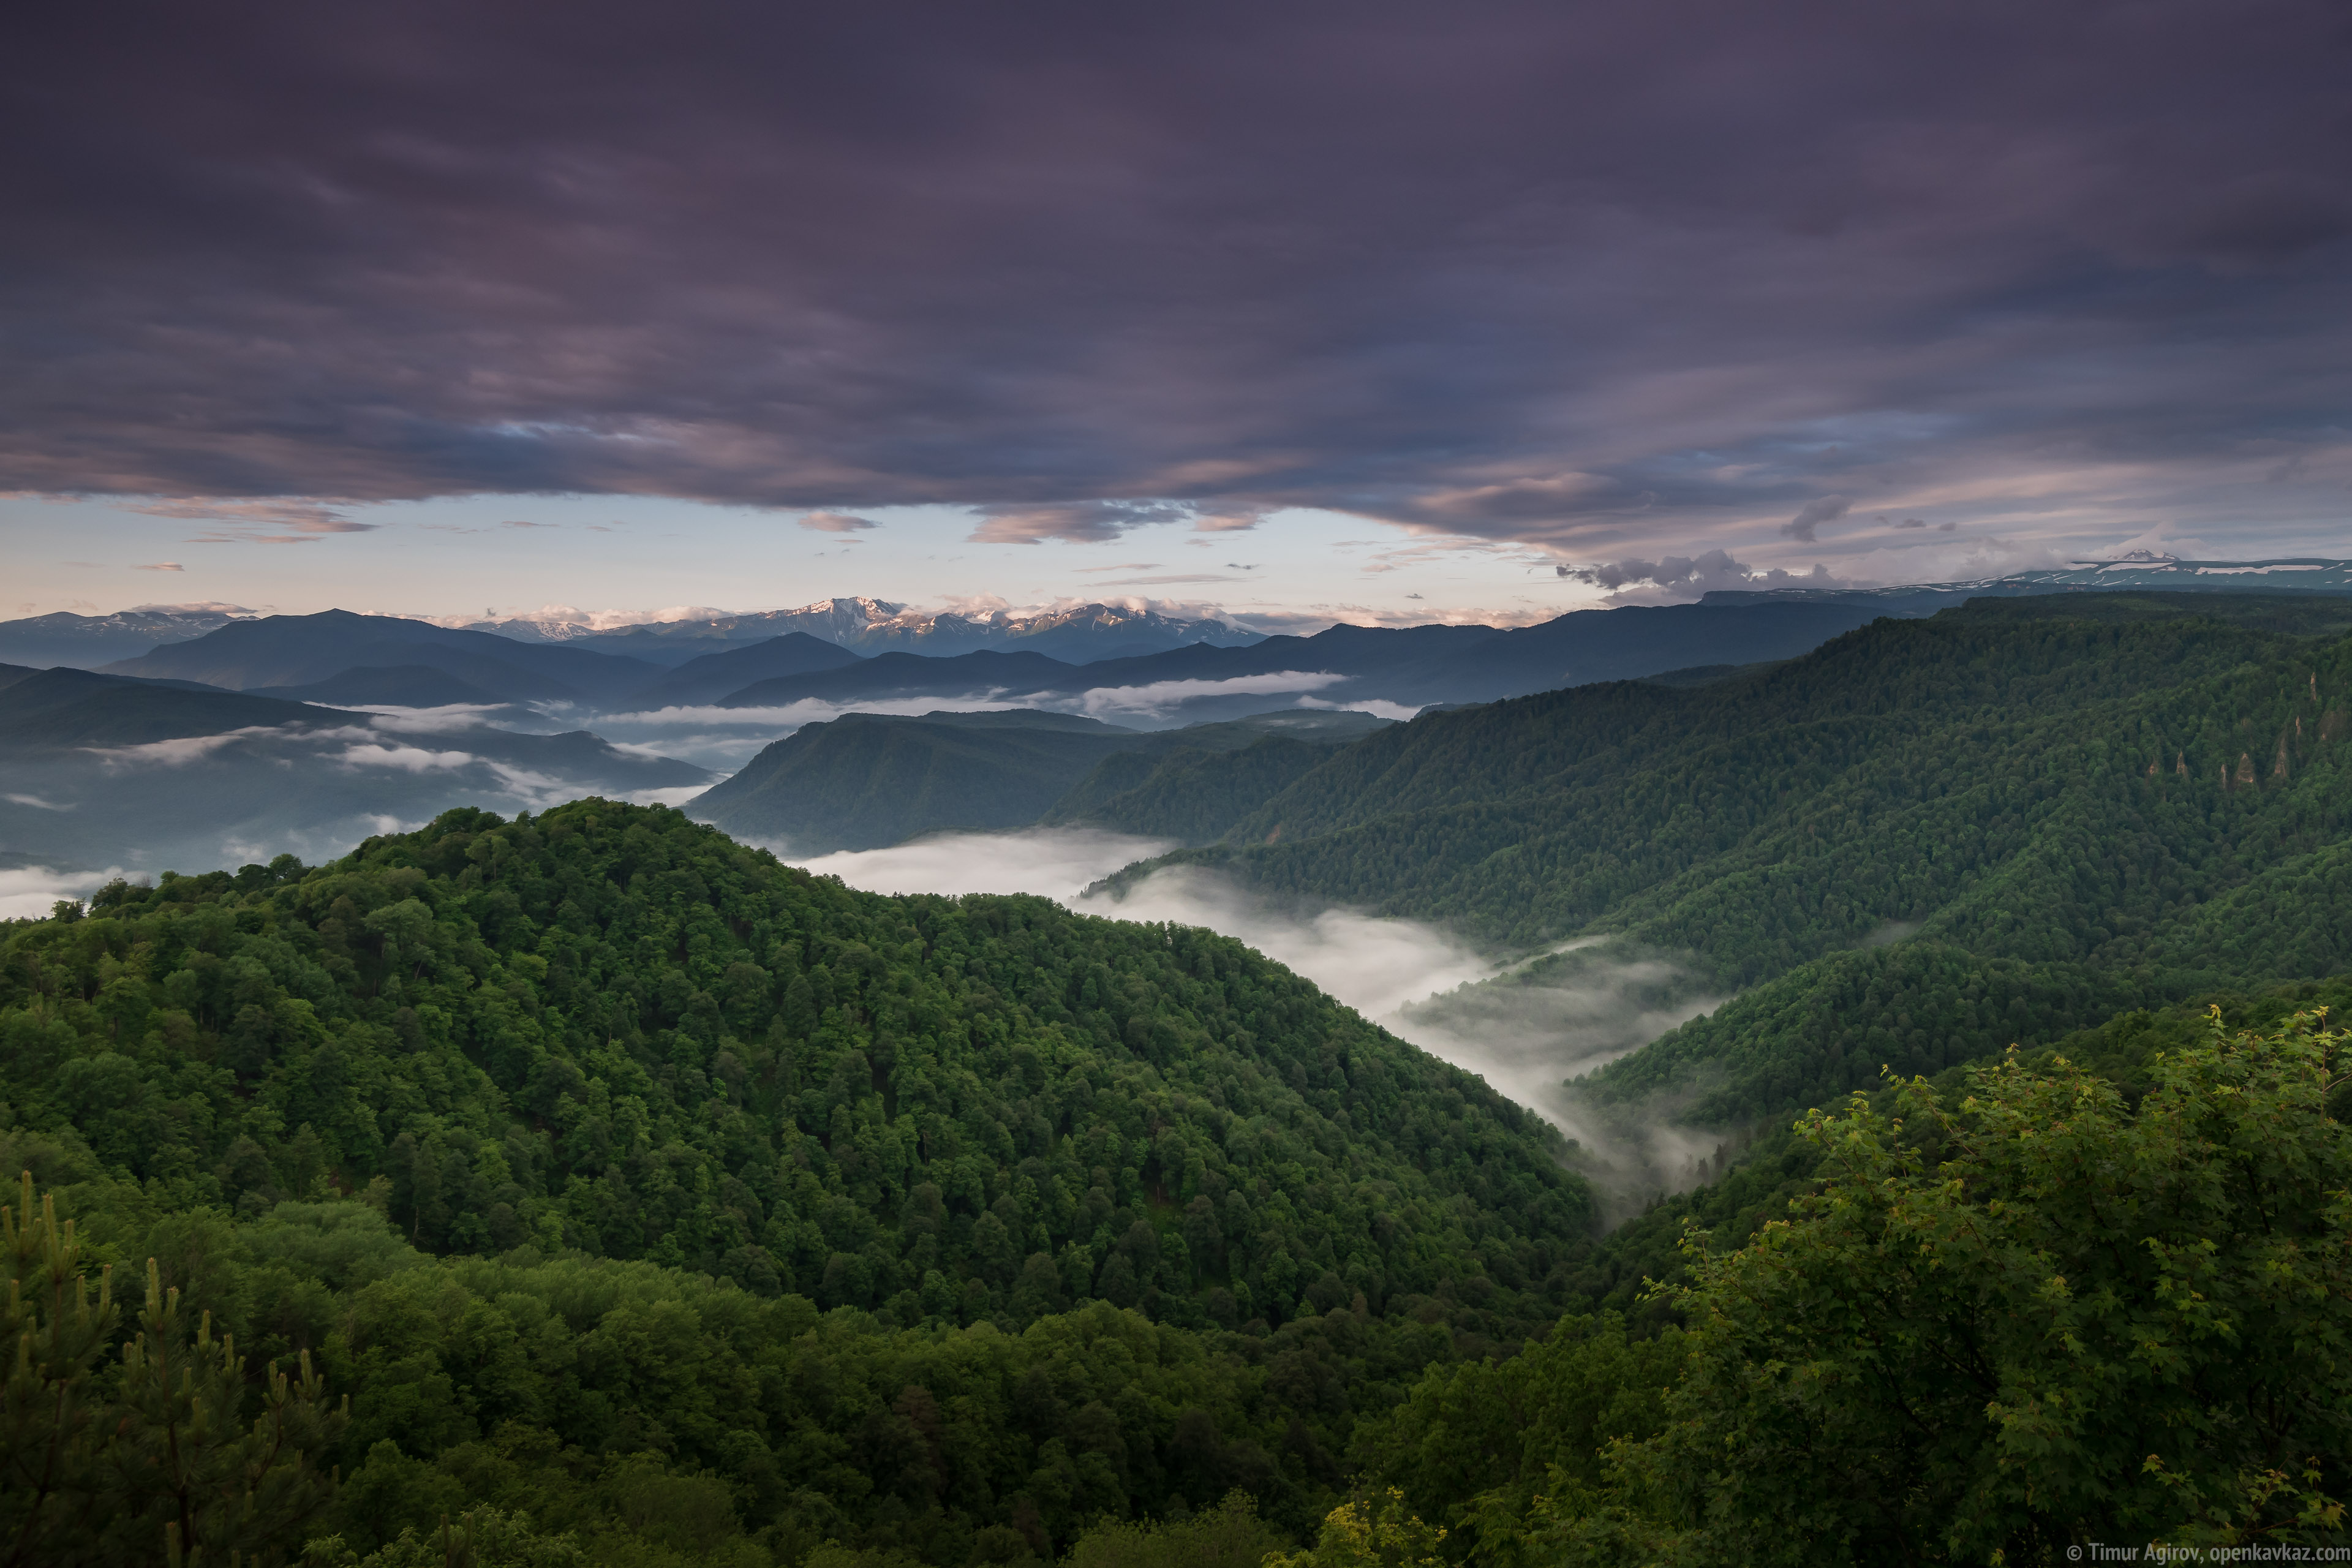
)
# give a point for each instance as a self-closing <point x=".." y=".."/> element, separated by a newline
<point x="1414" y="666"/>
<point x="66" y="708"/>
<point x="86" y="642"/>
<point x="712" y="676"/>
<point x="108" y="770"/>
<point x="298" y="650"/>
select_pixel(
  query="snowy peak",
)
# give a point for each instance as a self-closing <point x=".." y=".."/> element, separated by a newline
<point x="85" y="642"/>
<point x="1076" y="633"/>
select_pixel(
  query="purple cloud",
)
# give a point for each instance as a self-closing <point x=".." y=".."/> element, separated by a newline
<point x="1519" y="272"/>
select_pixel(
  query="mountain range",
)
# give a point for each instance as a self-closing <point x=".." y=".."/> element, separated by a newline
<point x="1078" y="632"/>
<point x="339" y="656"/>
<point x="635" y="1187"/>
<point x="86" y="642"/>
<point x="1073" y="634"/>
<point x="280" y="651"/>
<point x="301" y="732"/>
<point x="1403" y="667"/>
<point x="113" y="771"/>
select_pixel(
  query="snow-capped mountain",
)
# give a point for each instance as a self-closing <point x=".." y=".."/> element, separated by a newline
<point x="1076" y="633"/>
<point x="2145" y="569"/>
<point x="85" y="642"/>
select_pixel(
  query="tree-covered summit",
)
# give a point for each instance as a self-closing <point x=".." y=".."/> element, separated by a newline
<point x="608" y="1029"/>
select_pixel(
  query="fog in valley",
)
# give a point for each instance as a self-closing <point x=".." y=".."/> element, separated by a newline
<point x="73" y="818"/>
<point x="724" y="739"/>
<point x="1526" y="1025"/>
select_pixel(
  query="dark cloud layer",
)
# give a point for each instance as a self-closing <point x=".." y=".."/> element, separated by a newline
<point x="1570" y="274"/>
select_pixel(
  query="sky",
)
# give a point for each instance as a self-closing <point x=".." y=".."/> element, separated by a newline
<point x="1371" y="311"/>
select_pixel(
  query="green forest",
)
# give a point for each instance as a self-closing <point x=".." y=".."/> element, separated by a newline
<point x="1924" y="841"/>
<point x="587" y="1188"/>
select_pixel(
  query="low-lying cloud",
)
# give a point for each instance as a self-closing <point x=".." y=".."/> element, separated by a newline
<point x="180" y="750"/>
<point x="407" y="759"/>
<point x="445" y="719"/>
<point x="198" y="802"/>
<point x="1162" y="698"/>
<point x="1378" y="706"/>
<point x="1528" y="1029"/>
<point x="1054" y="862"/>
<point x="726" y="738"/>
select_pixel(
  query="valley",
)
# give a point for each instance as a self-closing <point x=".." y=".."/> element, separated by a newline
<point x="951" y="1130"/>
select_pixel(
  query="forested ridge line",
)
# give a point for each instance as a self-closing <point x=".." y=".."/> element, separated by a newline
<point x="609" y="1029"/>
<point x="699" y="1106"/>
<point x="1920" y="843"/>
<point x="1530" y="820"/>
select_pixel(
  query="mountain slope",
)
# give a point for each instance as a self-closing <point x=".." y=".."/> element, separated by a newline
<point x="1920" y="842"/>
<point x="1196" y="783"/>
<point x="66" y="708"/>
<point x="609" y="1027"/>
<point x="865" y="780"/>
<point x="605" y="1165"/>
<point x="1191" y="795"/>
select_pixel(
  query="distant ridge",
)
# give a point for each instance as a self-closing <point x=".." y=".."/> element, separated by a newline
<point x="85" y="642"/>
<point x="304" y="650"/>
<point x="2138" y="570"/>
<point x="709" y="677"/>
<point x="1348" y="665"/>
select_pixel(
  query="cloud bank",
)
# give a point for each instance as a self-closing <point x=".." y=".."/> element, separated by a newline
<point x="1687" y="576"/>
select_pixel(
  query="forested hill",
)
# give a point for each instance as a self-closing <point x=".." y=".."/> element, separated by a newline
<point x="608" y="1032"/>
<point x="609" y="1029"/>
<point x="1915" y="845"/>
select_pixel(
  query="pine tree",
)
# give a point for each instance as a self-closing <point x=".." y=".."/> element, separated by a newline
<point x="49" y="1431"/>
<point x="157" y="1461"/>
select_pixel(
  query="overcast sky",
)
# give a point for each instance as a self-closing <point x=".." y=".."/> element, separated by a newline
<point x="1363" y="309"/>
